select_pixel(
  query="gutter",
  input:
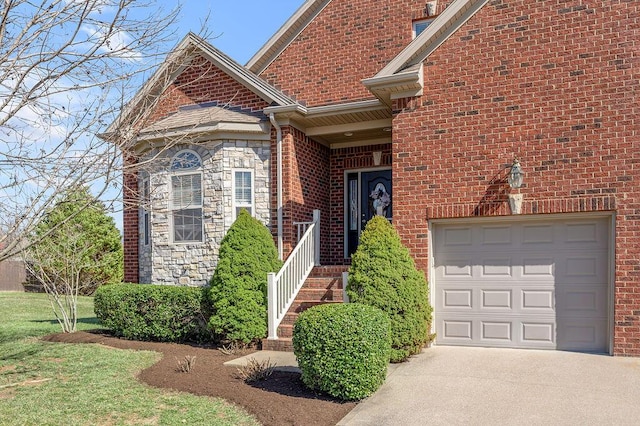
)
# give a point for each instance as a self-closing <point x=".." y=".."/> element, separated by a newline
<point x="272" y="118"/>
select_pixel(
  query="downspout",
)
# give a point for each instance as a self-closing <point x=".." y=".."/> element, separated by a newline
<point x="272" y="118"/>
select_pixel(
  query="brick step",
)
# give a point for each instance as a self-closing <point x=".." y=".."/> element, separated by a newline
<point x="324" y="285"/>
<point x="299" y="306"/>
<point x="285" y="331"/>
<point x="319" y="294"/>
<point x="323" y="282"/>
<point x="329" y="271"/>
<point x="281" y="345"/>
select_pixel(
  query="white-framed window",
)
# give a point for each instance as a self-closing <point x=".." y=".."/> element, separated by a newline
<point x="146" y="209"/>
<point x="242" y="191"/>
<point x="420" y="26"/>
<point x="186" y="197"/>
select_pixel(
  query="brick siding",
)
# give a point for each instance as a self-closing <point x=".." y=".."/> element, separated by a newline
<point x="555" y="84"/>
<point x="349" y="41"/>
<point x="203" y="82"/>
<point x="305" y="171"/>
<point x="130" y="220"/>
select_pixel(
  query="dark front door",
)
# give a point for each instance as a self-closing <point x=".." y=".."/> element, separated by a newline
<point x="368" y="195"/>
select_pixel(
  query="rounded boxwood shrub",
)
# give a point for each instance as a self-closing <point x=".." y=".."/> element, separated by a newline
<point x="383" y="274"/>
<point x="153" y="312"/>
<point x="343" y="349"/>
<point x="238" y="291"/>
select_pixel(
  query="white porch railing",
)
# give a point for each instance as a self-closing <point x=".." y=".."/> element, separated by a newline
<point x="283" y="287"/>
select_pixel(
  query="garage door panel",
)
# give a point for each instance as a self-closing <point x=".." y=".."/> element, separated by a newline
<point x="456" y="237"/>
<point x="580" y="335"/>
<point x="523" y="284"/>
<point x="582" y="268"/>
<point x="497" y="267"/>
<point x="534" y="333"/>
<point x="537" y="234"/>
<point x="586" y="234"/>
<point x="537" y="300"/>
<point x="523" y="332"/>
<point x="457" y="298"/>
<point x="582" y="300"/>
<point x="496" y="235"/>
<point x="458" y="268"/>
<point x="496" y="331"/>
<point x="458" y="331"/>
<point x="497" y="299"/>
<point x="538" y="266"/>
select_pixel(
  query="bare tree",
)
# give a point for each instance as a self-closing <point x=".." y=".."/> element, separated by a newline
<point x="67" y="68"/>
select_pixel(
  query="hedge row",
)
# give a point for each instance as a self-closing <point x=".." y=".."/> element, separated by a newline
<point x="153" y="312"/>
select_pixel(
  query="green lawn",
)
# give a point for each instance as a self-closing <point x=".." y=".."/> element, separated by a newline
<point x="61" y="384"/>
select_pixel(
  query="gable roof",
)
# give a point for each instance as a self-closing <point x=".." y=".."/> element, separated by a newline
<point x="178" y="61"/>
<point x="403" y="76"/>
<point x="286" y="34"/>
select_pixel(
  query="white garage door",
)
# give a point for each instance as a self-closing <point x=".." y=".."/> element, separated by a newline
<point x="528" y="284"/>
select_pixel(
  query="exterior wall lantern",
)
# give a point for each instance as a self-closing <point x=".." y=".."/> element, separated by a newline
<point x="516" y="175"/>
<point x="515" y="179"/>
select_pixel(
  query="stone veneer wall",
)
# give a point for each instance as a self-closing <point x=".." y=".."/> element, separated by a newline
<point x="163" y="262"/>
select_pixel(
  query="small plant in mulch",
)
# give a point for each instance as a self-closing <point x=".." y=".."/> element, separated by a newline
<point x="233" y="348"/>
<point x="187" y="364"/>
<point x="256" y="370"/>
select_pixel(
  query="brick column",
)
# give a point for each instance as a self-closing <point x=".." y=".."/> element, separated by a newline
<point x="130" y="220"/>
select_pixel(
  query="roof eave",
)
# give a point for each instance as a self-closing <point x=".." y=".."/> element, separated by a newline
<point x="442" y="28"/>
<point x="218" y="131"/>
<point x="288" y="32"/>
<point x="402" y="85"/>
<point x="241" y="74"/>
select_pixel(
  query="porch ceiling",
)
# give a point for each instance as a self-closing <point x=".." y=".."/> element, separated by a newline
<point x="357" y="123"/>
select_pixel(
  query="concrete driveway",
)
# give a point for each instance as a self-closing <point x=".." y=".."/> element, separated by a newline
<point x="481" y="386"/>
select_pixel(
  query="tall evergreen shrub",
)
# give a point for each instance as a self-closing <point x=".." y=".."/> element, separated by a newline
<point x="238" y="291"/>
<point x="383" y="274"/>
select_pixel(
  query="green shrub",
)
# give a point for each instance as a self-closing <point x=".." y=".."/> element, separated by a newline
<point x="383" y="274"/>
<point x="238" y="292"/>
<point x="153" y="312"/>
<point x="343" y="349"/>
<point x="77" y="246"/>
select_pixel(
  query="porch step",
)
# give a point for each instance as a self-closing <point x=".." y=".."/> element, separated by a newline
<point x="324" y="285"/>
<point x="280" y="345"/>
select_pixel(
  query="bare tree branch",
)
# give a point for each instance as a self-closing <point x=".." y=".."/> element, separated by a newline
<point x="67" y="70"/>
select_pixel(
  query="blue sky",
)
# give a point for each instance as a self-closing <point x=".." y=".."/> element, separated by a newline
<point x="240" y="27"/>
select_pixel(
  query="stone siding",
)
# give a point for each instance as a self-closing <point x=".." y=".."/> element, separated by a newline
<point x="165" y="262"/>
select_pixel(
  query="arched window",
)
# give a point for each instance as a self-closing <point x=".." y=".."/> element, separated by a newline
<point x="186" y="197"/>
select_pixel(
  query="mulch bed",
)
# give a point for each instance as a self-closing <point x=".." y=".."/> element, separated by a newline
<point x="281" y="399"/>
